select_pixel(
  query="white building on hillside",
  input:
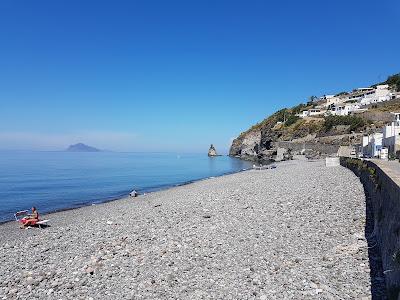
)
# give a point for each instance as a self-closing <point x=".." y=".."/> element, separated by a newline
<point x="331" y="100"/>
<point x="366" y="96"/>
<point x="372" y="144"/>
<point x="382" y="92"/>
<point x="345" y="109"/>
<point x="391" y="136"/>
<point x="311" y="112"/>
<point x="326" y="97"/>
<point x="361" y="94"/>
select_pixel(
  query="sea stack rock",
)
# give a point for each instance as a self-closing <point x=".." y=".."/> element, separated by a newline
<point x="212" y="151"/>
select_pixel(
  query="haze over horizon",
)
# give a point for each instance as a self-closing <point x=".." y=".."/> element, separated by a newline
<point x="178" y="75"/>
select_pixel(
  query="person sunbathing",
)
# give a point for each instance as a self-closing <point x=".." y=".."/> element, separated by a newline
<point x="31" y="219"/>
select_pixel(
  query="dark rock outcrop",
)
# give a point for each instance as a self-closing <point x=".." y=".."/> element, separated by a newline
<point x="212" y="151"/>
<point x="258" y="143"/>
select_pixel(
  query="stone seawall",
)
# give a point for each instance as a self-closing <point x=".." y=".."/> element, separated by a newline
<point x="383" y="198"/>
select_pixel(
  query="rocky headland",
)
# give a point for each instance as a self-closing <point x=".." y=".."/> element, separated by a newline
<point x="284" y="134"/>
<point x="294" y="232"/>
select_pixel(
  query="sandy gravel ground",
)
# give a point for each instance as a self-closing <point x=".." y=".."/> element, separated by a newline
<point x="295" y="232"/>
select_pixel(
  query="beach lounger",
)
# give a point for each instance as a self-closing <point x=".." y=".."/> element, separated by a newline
<point x="42" y="223"/>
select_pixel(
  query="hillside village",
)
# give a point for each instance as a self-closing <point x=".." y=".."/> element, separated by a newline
<point x="347" y="103"/>
<point x="365" y="120"/>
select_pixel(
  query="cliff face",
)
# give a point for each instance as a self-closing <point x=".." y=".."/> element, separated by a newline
<point x="265" y="143"/>
<point x="246" y="144"/>
<point x="258" y="142"/>
<point x="282" y="134"/>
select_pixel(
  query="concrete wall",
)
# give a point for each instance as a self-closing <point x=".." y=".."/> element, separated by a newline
<point x="332" y="161"/>
<point x="384" y="194"/>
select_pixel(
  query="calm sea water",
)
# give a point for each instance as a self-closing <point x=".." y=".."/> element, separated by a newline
<point x="59" y="180"/>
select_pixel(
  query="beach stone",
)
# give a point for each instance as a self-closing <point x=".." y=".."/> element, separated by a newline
<point x="90" y="270"/>
<point x="13" y="291"/>
<point x="287" y="233"/>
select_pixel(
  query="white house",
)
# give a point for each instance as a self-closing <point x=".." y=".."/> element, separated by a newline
<point x="337" y="110"/>
<point x="372" y="144"/>
<point x="315" y="112"/>
<point x="382" y="93"/>
<point x="345" y="109"/>
<point x="303" y="114"/>
<point x="391" y="135"/>
<point x="366" y="96"/>
<point x="362" y="95"/>
<point x="326" y="98"/>
<point x="311" y="112"/>
<point x="331" y="100"/>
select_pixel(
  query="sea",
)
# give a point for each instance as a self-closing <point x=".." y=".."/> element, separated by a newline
<point x="53" y="181"/>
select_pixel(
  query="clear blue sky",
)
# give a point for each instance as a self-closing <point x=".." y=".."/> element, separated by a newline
<point x="178" y="75"/>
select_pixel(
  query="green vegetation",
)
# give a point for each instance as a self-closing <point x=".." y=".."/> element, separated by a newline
<point x="341" y="94"/>
<point x="281" y="115"/>
<point x="299" y="108"/>
<point x="291" y="120"/>
<point x="394" y="81"/>
<point x="388" y="106"/>
<point x="313" y="99"/>
<point x="353" y="121"/>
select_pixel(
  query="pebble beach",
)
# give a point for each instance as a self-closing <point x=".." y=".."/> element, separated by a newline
<point x="294" y="232"/>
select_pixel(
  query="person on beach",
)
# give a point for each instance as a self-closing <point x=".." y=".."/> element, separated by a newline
<point x="31" y="219"/>
<point x="133" y="193"/>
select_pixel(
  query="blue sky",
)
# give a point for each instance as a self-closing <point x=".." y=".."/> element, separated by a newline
<point x="178" y="75"/>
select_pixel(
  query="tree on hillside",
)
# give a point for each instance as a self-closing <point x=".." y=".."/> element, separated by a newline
<point x="298" y="108"/>
<point x="394" y="81"/>
<point x="313" y="98"/>
<point x="281" y="115"/>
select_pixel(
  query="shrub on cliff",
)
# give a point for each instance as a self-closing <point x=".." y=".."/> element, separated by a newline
<point x="353" y="121"/>
<point x="299" y="108"/>
<point x="394" y="81"/>
<point x="281" y="115"/>
<point x="291" y="120"/>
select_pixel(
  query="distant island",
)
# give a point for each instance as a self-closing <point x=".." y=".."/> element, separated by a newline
<point x="80" y="147"/>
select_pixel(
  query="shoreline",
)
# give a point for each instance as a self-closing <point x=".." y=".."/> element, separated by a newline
<point x="145" y="192"/>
